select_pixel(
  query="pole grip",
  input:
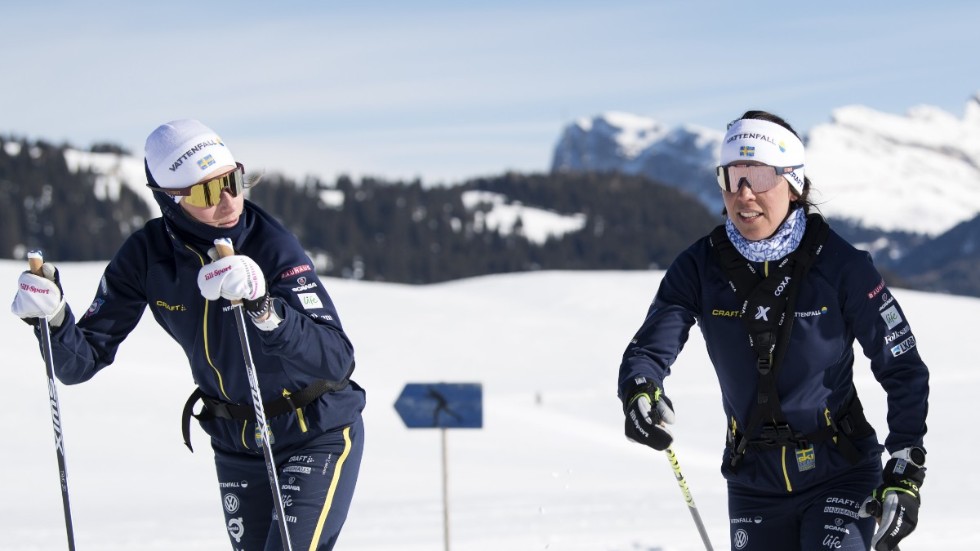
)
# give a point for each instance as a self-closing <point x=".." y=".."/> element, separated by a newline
<point x="34" y="260"/>
<point x="223" y="246"/>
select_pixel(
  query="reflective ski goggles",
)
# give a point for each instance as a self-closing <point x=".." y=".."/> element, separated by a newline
<point x="208" y="193"/>
<point x="761" y="178"/>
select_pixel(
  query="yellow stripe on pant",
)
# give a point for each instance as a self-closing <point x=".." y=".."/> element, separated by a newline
<point x="330" y="493"/>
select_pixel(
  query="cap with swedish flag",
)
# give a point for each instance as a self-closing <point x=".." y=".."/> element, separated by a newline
<point x="182" y="152"/>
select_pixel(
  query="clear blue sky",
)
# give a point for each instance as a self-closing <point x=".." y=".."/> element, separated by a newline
<point x="448" y="90"/>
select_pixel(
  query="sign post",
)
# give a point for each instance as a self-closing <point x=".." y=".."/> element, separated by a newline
<point x="443" y="406"/>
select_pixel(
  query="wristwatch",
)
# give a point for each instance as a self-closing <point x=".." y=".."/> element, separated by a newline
<point x="914" y="455"/>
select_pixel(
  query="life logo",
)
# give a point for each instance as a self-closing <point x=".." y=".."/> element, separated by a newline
<point x="310" y="301"/>
<point x="892" y="317"/>
<point x="831" y="541"/>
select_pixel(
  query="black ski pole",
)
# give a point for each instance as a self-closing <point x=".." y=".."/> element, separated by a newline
<point x="35" y="260"/>
<point x="688" y="497"/>
<point x="224" y="249"/>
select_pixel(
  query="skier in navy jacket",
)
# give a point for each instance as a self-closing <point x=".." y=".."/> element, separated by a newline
<point x="302" y="357"/>
<point x="802" y="463"/>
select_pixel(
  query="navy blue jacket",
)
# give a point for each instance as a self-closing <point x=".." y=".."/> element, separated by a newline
<point x="157" y="267"/>
<point x="842" y="298"/>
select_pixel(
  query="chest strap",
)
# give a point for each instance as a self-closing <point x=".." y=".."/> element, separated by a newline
<point x="214" y="408"/>
<point x="768" y="311"/>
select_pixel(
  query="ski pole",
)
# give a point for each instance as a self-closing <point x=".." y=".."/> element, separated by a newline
<point x="688" y="497"/>
<point x="35" y="260"/>
<point x="224" y="248"/>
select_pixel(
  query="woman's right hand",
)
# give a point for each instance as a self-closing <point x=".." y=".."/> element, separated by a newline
<point x="648" y="411"/>
<point x="40" y="296"/>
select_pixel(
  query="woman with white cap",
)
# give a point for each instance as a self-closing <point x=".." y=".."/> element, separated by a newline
<point x="779" y="298"/>
<point x="302" y="358"/>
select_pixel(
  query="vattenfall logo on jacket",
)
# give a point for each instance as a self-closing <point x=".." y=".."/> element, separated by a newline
<point x="719" y="313"/>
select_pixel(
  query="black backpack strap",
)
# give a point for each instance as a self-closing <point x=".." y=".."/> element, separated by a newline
<point x="742" y="275"/>
<point x="768" y="310"/>
<point x="185" y="418"/>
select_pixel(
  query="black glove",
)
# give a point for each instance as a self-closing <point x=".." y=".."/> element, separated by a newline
<point x="647" y="410"/>
<point x="896" y="502"/>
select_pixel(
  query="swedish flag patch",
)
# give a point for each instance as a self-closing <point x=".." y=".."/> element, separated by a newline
<point x="806" y="459"/>
<point x="205" y="162"/>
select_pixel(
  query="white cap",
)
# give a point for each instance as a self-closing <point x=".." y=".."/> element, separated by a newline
<point x="768" y="143"/>
<point x="180" y="153"/>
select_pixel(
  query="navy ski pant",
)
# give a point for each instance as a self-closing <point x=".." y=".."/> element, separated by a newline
<point x="316" y="481"/>
<point x="822" y="518"/>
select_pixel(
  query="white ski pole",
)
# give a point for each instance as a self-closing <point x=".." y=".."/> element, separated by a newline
<point x="688" y="498"/>
<point x="35" y="260"/>
<point x="224" y="249"/>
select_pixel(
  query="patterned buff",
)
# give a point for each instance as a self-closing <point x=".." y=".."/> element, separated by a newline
<point x="783" y="242"/>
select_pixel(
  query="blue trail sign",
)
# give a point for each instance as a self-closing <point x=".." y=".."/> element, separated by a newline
<point x="441" y="405"/>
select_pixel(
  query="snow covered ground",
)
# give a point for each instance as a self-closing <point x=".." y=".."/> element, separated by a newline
<point x="550" y="470"/>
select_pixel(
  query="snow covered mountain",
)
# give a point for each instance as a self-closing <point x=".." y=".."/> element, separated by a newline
<point x="918" y="172"/>
<point x="684" y="157"/>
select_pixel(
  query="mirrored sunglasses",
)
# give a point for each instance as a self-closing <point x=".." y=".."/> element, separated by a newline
<point x="761" y="178"/>
<point x="208" y="193"/>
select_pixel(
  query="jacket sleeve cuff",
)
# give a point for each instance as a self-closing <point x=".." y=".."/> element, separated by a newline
<point x="275" y="317"/>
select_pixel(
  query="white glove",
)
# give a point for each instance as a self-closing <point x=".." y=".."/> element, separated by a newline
<point x="235" y="277"/>
<point x="40" y="297"/>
